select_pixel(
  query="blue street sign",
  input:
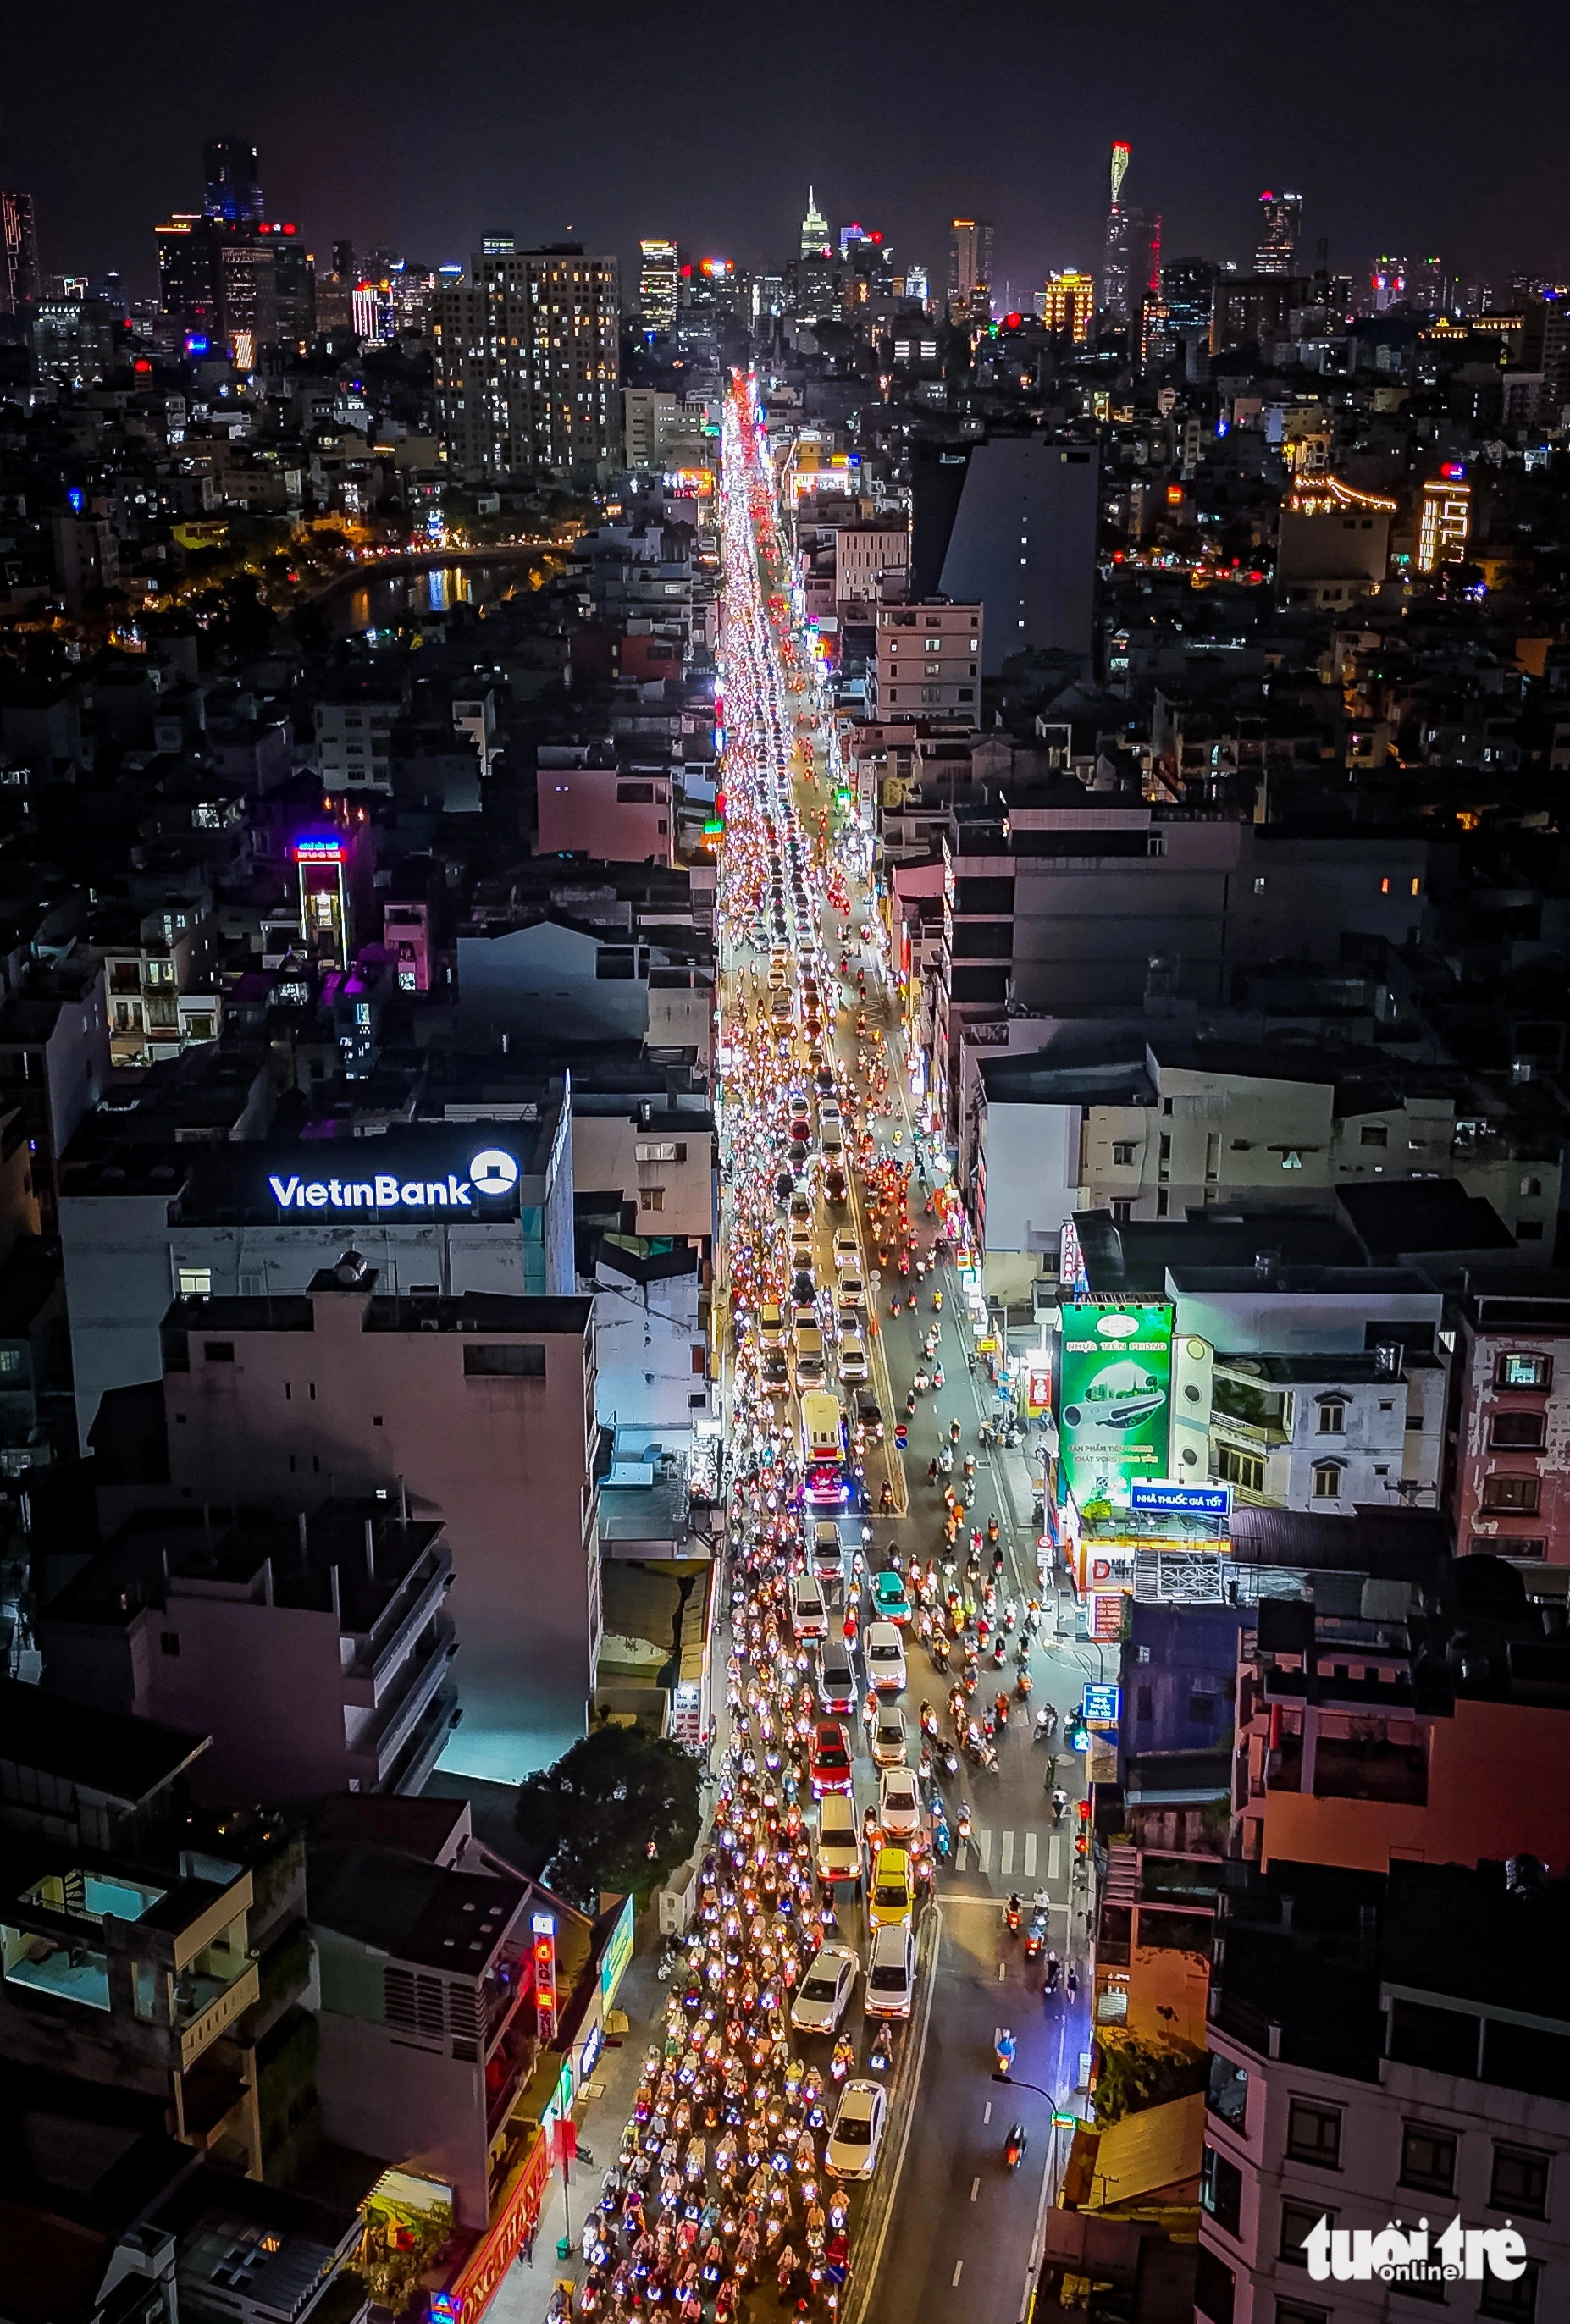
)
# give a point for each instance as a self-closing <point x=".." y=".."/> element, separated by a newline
<point x="1099" y="1703"/>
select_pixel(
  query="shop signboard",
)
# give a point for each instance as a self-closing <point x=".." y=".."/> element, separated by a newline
<point x="1107" y="1616"/>
<point x="1114" y="1405"/>
<point x="618" y="1954"/>
<point x="1156" y="1499"/>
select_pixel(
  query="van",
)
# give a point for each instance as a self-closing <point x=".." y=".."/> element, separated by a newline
<point x="827" y="1551"/>
<point x="839" y="1846"/>
<point x="891" y="1899"/>
<point x="808" y="1613"/>
<point x="810" y="1372"/>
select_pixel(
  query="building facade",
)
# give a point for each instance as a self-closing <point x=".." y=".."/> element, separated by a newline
<point x="527" y="362"/>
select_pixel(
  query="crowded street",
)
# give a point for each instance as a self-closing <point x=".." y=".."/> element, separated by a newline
<point x="887" y="1912"/>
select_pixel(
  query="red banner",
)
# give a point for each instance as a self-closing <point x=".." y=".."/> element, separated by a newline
<point x="470" y="2297"/>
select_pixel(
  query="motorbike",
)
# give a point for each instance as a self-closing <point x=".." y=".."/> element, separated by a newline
<point x="1022" y="1686"/>
<point x="1006" y="2048"/>
<point x="1011" y="1915"/>
<point x="964" y="1826"/>
<point x="1035" y="1940"/>
<point x="1014" y="2146"/>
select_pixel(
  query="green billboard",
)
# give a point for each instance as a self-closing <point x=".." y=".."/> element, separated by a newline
<point x="1114" y="1400"/>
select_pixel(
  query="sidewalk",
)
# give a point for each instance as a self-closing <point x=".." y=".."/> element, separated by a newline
<point x="524" y="2292"/>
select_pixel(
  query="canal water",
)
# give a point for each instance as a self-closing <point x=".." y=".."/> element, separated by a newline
<point x="405" y="597"/>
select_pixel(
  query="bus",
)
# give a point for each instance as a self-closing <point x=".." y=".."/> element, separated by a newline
<point x="823" y="1452"/>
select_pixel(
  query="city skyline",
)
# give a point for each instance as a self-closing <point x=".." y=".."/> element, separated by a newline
<point x="339" y="157"/>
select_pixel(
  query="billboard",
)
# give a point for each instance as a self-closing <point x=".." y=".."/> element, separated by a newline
<point x="1114" y="1406"/>
<point x="1181" y="1500"/>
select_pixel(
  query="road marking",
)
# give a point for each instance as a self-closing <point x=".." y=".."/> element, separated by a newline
<point x="984" y="1849"/>
<point x="960" y="1857"/>
<point x="1029" y="1855"/>
<point x="975" y="2189"/>
<point x="1054" y="1857"/>
<point x="1002" y="1972"/>
<point x="987" y="2112"/>
<point x="910" y="2081"/>
<point x="1006" y="1860"/>
<point x="958" y="2272"/>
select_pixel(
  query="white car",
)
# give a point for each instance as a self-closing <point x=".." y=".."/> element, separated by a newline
<point x="890" y="1974"/>
<point x="846" y="1253"/>
<point x="823" y="1994"/>
<point x="885" y="1656"/>
<point x="850" y="1290"/>
<point x="899" y="1805"/>
<point x="852" y="1359"/>
<point x="852" y="2152"/>
<point x="890" y="1740"/>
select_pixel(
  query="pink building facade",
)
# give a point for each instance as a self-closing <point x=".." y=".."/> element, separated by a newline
<point x="605" y="814"/>
<point x="475" y="1411"/>
<point x="1511" y="1486"/>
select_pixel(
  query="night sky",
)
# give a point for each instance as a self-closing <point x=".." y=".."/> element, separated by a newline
<point x="1414" y="126"/>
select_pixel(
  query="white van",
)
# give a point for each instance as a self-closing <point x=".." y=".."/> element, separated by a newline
<point x="839" y="1846"/>
<point x="808" y="1611"/>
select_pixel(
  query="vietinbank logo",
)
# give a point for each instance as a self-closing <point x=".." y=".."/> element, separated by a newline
<point x="1397" y="2255"/>
<point x="492" y="1174"/>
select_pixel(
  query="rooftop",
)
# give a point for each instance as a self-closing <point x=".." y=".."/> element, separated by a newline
<point x="117" y="1757"/>
<point x="403" y="1904"/>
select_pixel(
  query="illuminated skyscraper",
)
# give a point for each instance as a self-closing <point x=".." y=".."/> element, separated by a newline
<point x="970" y="270"/>
<point x="1444" y="519"/>
<point x="19" y="283"/>
<point x="526" y="361"/>
<point x="232" y="192"/>
<point x="815" y="239"/>
<point x="1388" y="284"/>
<point x="1281" y="223"/>
<point x="658" y="275"/>
<point x="1131" y="261"/>
<point x="1068" y="304"/>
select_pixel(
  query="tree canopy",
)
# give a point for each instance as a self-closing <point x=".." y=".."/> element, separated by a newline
<point x="586" y="1823"/>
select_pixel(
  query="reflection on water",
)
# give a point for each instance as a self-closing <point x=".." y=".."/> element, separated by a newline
<point x="405" y="597"/>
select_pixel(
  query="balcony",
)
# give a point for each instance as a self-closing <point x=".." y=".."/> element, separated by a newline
<point x="208" y="1998"/>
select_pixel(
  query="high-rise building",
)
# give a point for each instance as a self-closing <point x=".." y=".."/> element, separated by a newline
<point x="1388" y="284"/>
<point x="19" y="283"/>
<point x="815" y="236"/>
<point x="1444" y="517"/>
<point x="970" y="270"/>
<point x="191" y="269"/>
<point x="526" y="360"/>
<point x="1188" y="286"/>
<point x="229" y="171"/>
<point x="658" y="276"/>
<point x="1008" y="524"/>
<point x="1067" y="304"/>
<point x="1131" y="263"/>
<point x="267" y="290"/>
<point x="1280" y="223"/>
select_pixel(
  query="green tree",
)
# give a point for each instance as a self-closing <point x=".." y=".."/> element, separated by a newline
<point x="586" y="1823"/>
<point x="1134" y="2074"/>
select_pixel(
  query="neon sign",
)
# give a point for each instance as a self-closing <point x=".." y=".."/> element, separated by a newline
<point x="545" y="1975"/>
<point x="492" y="1174"/>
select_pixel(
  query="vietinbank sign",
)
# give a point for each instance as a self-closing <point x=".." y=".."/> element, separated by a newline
<point x="492" y="1176"/>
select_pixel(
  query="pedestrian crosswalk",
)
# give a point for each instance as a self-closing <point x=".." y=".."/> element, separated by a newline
<point x="1016" y="1850"/>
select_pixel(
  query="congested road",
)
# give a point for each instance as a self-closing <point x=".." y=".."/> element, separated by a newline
<point x="817" y="2117"/>
<point x="835" y="1280"/>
